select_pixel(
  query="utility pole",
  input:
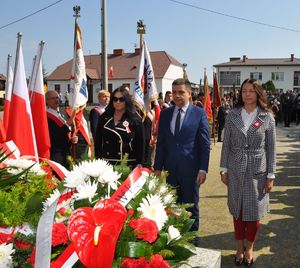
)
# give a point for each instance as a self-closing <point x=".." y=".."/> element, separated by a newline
<point x="141" y="29"/>
<point x="103" y="47"/>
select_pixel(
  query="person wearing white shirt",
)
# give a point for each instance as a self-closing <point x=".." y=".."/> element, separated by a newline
<point x="247" y="165"/>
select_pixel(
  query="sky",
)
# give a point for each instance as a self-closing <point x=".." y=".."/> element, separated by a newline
<point x="183" y="28"/>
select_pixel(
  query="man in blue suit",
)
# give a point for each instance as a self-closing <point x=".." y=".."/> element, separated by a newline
<point x="183" y="147"/>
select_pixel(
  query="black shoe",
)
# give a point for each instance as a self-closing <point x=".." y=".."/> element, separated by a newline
<point x="238" y="261"/>
<point x="248" y="263"/>
<point x="196" y="242"/>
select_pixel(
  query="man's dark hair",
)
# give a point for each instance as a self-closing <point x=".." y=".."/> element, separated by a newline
<point x="182" y="81"/>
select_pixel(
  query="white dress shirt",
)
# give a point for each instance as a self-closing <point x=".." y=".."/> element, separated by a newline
<point x="248" y="119"/>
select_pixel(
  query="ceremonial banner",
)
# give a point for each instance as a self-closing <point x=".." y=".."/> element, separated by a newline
<point x="207" y="102"/>
<point x="38" y="107"/>
<point x="8" y="90"/>
<point x="217" y="99"/>
<point x="20" y="126"/>
<point x="79" y="92"/>
<point x="144" y="91"/>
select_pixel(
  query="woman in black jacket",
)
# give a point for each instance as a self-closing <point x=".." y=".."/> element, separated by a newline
<point x="120" y="131"/>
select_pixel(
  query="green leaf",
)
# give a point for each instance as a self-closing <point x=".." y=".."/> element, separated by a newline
<point x="161" y="242"/>
<point x="187" y="225"/>
<point x="183" y="252"/>
<point x="133" y="249"/>
<point x="82" y="203"/>
<point x="34" y="203"/>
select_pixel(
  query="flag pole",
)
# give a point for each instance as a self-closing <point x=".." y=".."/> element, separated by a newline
<point x="19" y="39"/>
<point x="7" y="70"/>
<point x="35" y="68"/>
<point x="103" y="46"/>
<point x="214" y="110"/>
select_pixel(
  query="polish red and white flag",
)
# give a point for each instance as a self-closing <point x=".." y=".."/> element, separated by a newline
<point x="38" y="106"/>
<point x="20" y="126"/>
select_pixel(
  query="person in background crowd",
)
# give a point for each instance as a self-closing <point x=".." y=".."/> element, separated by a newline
<point x="183" y="147"/>
<point x="297" y="108"/>
<point x="276" y="110"/>
<point x="82" y="148"/>
<point x="103" y="99"/>
<point x="221" y="116"/>
<point x="120" y="131"/>
<point x="200" y="100"/>
<point x="247" y="165"/>
<point x="59" y="130"/>
<point x="169" y="98"/>
<point x="287" y="108"/>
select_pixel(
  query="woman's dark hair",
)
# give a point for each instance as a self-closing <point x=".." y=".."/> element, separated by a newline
<point x="261" y="97"/>
<point x="129" y="107"/>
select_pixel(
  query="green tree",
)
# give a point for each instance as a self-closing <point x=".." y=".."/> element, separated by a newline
<point x="269" y="86"/>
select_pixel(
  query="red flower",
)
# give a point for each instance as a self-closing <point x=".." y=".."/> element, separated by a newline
<point x="130" y="212"/>
<point x="135" y="263"/>
<point x="158" y="261"/>
<point x="31" y="259"/>
<point x="168" y="211"/>
<point x="59" y="234"/>
<point x="144" y="229"/>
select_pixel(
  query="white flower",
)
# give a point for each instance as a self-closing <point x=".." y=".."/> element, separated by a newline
<point x="86" y="190"/>
<point x="75" y="178"/>
<point x="173" y="233"/>
<point x="94" y="168"/>
<point x="152" y="184"/>
<point x="152" y="208"/>
<point x="6" y="250"/>
<point x="24" y="164"/>
<point x="163" y="189"/>
<point x="168" y="199"/>
<point x="110" y="177"/>
<point x="50" y="200"/>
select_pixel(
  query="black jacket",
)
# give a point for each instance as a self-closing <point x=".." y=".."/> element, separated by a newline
<point x="114" y="141"/>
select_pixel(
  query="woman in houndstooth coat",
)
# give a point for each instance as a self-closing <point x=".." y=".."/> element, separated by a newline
<point x="248" y="165"/>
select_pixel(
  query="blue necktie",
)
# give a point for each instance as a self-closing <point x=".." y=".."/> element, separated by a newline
<point x="177" y="122"/>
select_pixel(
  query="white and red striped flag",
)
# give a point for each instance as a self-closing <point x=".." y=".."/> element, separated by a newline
<point x="20" y="127"/>
<point x="79" y="92"/>
<point x="38" y="106"/>
<point x="8" y="89"/>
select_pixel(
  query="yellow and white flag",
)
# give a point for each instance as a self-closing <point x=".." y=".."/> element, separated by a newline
<point x="79" y="91"/>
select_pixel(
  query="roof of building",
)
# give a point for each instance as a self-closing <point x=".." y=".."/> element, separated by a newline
<point x="244" y="61"/>
<point x="2" y="77"/>
<point x="124" y="65"/>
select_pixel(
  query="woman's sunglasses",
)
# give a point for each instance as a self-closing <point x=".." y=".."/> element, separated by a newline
<point x="115" y="99"/>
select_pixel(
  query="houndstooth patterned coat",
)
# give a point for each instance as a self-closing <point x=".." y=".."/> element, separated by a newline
<point x="248" y="156"/>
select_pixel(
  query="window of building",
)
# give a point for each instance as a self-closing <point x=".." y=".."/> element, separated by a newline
<point x="230" y="78"/>
<point x="57" y="88"/>
<point x="69" y="88"/>
<point x="297" y="78"/>
<point x="256" y="75"/>
<point x="110" y="88"/>
<point x="126" y="85"/>
<point x="277" y="76"/>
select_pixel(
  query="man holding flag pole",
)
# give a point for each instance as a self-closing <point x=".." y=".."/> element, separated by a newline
<point x="78" y="93"/>
<point x="144" y="95"/>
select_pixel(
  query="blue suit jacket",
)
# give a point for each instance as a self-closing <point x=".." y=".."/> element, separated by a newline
<point x="185" y="155"/>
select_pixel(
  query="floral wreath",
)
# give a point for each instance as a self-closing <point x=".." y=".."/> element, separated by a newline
<point x="108" y="217"/>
